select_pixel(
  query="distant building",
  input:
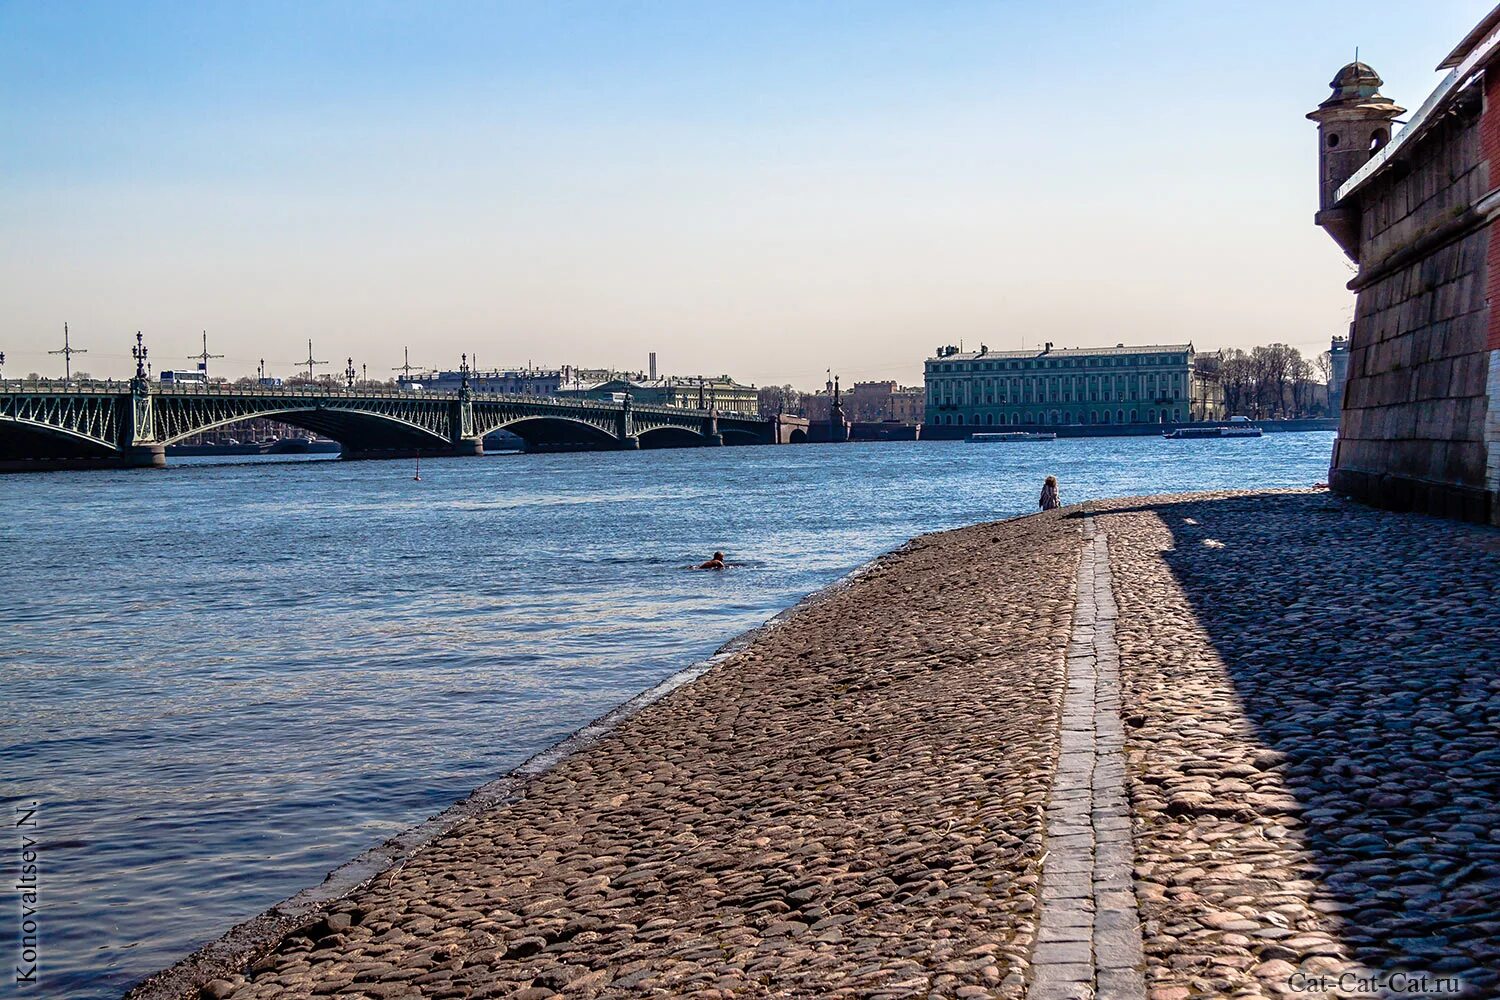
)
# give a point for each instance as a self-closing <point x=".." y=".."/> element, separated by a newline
<point x="870" y="402"/>
<point x="1110" y="385"/>
<point x="1338" y="373"/>
<point x="719" y="392"/>
<point x="257" y="430"/>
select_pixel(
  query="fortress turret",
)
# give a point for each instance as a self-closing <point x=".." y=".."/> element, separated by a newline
<point x="1352" y="125"/>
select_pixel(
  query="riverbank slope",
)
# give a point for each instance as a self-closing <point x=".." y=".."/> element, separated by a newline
<point x="1167" y="747"/>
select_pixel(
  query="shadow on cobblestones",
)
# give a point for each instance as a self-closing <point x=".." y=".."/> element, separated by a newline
<point x="1364" y="649"/>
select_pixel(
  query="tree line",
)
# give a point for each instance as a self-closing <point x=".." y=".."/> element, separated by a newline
<point x="1272" y="381"/>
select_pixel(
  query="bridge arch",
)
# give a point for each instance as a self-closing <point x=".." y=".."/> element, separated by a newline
<point x="23" y="439"/>
<point x="555" y="432"/>
<point x="363" y="430"/>
<point x="670" y="437"/>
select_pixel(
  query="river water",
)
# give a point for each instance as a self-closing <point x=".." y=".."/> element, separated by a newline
<point x="223" y="679"/>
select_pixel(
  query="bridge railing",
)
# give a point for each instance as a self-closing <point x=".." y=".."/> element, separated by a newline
<point x="101" y="386"/>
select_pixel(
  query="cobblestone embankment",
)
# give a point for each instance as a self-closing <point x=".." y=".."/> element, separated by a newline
<point x="1275" y="717"/>
<point x="851" y="806"/>
<point x="1312" y="690"/>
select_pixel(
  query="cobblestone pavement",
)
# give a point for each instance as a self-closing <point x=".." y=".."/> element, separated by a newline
<point x="850" y="807"/>
<point x="1297" y="698"/>
<point x="1313" y="695"/>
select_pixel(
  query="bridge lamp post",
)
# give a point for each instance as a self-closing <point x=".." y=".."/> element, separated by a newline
<point x="138" y="352"/>
<point x="349" y="374"/>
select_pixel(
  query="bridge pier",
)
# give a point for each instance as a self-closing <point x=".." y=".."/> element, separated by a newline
<point x="713" y="440"/>
<point x="631" y="443"/>
<point x="145" y="456"/>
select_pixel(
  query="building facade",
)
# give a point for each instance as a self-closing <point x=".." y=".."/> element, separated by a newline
<point x="1049" y="388"/>
<point x="1419" y="428"/>
<point x="1338" y="373"/>
<point x="718" y="392"/>
<point x="871" y="402"/>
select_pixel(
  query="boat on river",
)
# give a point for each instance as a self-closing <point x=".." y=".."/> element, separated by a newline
<point x="1005" y="437"/>
<point x="1236" y="429"/>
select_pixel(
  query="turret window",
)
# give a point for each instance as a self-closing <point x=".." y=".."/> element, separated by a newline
<point x="1333" y="139"/>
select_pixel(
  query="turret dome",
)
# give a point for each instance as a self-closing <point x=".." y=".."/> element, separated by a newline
<point x="1358" y="85"/>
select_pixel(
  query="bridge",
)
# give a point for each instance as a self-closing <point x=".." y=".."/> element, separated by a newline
<point x="125" y="424"/>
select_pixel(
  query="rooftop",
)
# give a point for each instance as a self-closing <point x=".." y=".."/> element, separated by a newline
<point x="1065" y="352"/>
<point x="1478" y="48"/>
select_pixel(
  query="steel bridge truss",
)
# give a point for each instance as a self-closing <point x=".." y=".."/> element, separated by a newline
<point x="52" y="421"/>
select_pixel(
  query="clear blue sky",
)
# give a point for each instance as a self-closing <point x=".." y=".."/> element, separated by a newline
<point x="764" y="189"/>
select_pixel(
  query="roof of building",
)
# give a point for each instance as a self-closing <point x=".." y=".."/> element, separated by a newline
<point x="666" y="382"/>
<point x="1065" y="352"/>
<point x="1477" y="34"/>
<point x="1479" y="46"/>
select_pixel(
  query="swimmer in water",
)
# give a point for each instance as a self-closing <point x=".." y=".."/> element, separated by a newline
<point x="717" y="562"/>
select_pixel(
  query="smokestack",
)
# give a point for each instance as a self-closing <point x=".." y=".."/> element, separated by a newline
<point x="653" y="366"/>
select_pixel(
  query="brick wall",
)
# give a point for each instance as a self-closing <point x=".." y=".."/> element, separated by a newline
<point x="1412" y="434"/>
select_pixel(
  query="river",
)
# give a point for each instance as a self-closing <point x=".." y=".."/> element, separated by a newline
<point x="223" y="679"/>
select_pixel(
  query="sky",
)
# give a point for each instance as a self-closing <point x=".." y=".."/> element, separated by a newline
<point x="766" y="189"/>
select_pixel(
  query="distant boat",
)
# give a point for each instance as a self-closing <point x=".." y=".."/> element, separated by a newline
<point x="1232" y="431"/>
<point x="1005" y="437"/>
<point x="302" y="446"/>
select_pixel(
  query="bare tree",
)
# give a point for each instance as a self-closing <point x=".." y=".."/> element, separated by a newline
<point x="1237" y="376"/>
<point x="1273" y="365"/>
<point x="778" y="399"/>
<point x="1302" y="386"/>
<point x="1323" y="366"/>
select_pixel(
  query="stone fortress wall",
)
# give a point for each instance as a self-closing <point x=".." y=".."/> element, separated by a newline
<point x="1417" y="430"/>
<point x="1412" y="431"/>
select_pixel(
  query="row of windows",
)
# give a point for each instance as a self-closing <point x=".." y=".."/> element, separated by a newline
<point x="1056" y="418"/>
<point x="1128" y="360"/>
<point x="1083" y="389"/>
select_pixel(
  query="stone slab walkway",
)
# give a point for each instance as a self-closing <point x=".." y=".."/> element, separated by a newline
<point x="1089" y="935"/>
<point x="1218" y="745"/>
